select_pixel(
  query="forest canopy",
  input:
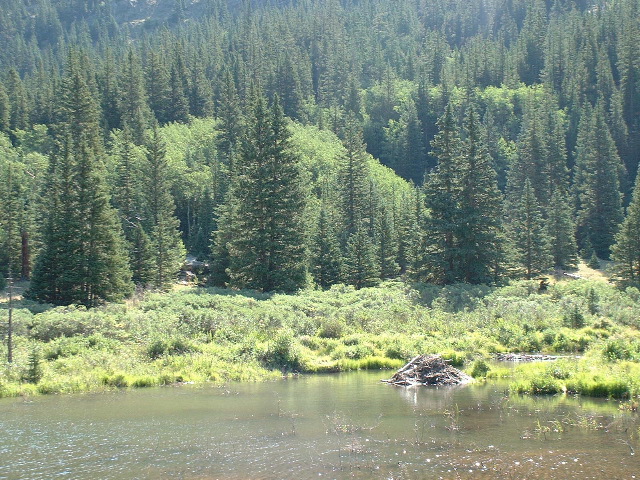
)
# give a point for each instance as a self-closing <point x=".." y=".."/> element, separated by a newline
<point x="444" y="140"/>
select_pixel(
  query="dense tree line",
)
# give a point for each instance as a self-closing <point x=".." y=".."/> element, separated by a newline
<point x="124" y="143"/>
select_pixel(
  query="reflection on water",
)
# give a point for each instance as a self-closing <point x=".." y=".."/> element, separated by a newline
<point x="338" y="426"/>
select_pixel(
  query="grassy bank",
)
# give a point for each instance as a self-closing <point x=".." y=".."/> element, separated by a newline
<point x="208" y="335"/>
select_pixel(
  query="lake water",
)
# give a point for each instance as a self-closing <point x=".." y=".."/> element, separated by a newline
<point x="316" y="427"/>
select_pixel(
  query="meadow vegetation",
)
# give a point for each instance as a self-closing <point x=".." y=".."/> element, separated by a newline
<point x="214" y="335"/>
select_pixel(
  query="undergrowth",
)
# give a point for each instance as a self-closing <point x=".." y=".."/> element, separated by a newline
<point x="210" y="335"/>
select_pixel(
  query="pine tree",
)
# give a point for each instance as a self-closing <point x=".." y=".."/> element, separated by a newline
<point x="5" y="111"/>
<point x="479" y="201"/>
<point x="162" y="227"/>
<point x="442" y="192"/>
<point x="266" y="232"/>
<point x="525" y="229"/>
<point x="352" y="177"/>
<point x="386" y="245"/>
<point x="133" y="105"/>
<point x="128" y="199"/>
<point x="597" y="183"/>
<point x="201" y="94"/>
<point x="230" y="115"/>
<point x="158" y="89"/>
<point x="561" y="232"/>
<point x="19" y="113"/>
<point x="626" y="251"/>
<point x="109" y="93"/>
<point x="360" y="267"/>
<point x="83" y="257"/>
<point x="178" y="107"/>
<point x="326" y="261"/>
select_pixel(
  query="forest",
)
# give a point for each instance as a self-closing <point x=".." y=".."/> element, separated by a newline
<point x="310" y="143"/>
<point x="363" y="181"/>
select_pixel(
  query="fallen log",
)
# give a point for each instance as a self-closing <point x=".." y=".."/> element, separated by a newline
<point x="428" y="370"/>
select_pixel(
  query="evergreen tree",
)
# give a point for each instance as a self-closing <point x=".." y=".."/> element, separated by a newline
<point x="19" y="113"/>
<point x="230" y="115"/>
<point x="133" y="105"/>
<point x="201" y="94"/>
<point x="442" y="192"/>
<point x="266" y="244"/>
<point x="626" y="251"/>
<point x="525" y="229"/>
<point x="110" y="93"/>
<point x="178" y="106"/>
<point x="83" y="257"/>
<point x="597" y="183"/>
<point x="479" y="204"/>
<point x="360" y="267"/>
<point x="561" y="232"/>
<point x="325" y="251"/>
<point x="161" y="224"/>
<point x="386" y="244"/>
<point x="5" y="111"/>
<point x="352" y="177"/>
<point x="158" y="89"/>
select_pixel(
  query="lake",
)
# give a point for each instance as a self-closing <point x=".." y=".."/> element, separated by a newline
<point x="316" y="427"/>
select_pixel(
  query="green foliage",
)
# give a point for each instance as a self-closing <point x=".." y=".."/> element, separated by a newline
<point x="33" y="373"/>
<point x="626" y="250"/>
<point x="479" y="369"/>
<point x="217" y="335"/>
<point x="265" y="207"/>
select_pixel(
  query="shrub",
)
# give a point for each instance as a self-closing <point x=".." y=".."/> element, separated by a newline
<point x="331" y="328"/>
<point x="479" y="369"/>
<point x="118" y="380"/>
<point x="283" y="352"/>
<point x="171" y="346"/>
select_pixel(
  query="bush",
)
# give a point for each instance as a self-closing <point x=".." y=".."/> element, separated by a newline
<point x="283" y="352"/>
<point x="172" y="346"/>
<point x="479" y="369"/>
<point x="331" y="328"/>
<point x="615" y="349"/>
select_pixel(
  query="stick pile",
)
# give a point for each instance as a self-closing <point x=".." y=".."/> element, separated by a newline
<point x="429" y="370"/>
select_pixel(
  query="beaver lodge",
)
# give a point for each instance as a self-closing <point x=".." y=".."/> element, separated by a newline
<point x="428" y="370"/>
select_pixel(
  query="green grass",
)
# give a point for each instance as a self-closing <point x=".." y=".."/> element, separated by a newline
<point x="211" y="335"/>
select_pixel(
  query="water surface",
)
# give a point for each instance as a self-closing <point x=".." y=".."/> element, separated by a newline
<point x="330" y="426"/>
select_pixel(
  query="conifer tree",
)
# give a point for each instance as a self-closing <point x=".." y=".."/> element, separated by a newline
<point x="5" y="111"/>
<point x="230" y="115"/>
<point x="158" y="89"/>
<point x="442" y="191"/>
<point x="360" y="267"/>
<point x="352" y="177"/>
<point x="325" y="255"/>
<point x="128" y="199"/>
<point x="525" y="229"/>
<point x="162" y="227"/>
<point x="83" y="258"/>
<point x="597" y="183"/>
<point x="561" y="232"/>
<point x="626" y="251"/>
<point x="201" y="94"/>
<point x="19" y="113"/>
<point x="266" y="230"/>
<point x="178" y="106"/>
<point x="386" y="244"/>
<point x="479" y="204"/>
<point x="133" y="105"/>
<point x="109" y="93"/>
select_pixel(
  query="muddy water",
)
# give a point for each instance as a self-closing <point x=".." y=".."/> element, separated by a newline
<point x="316" y="427"/>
